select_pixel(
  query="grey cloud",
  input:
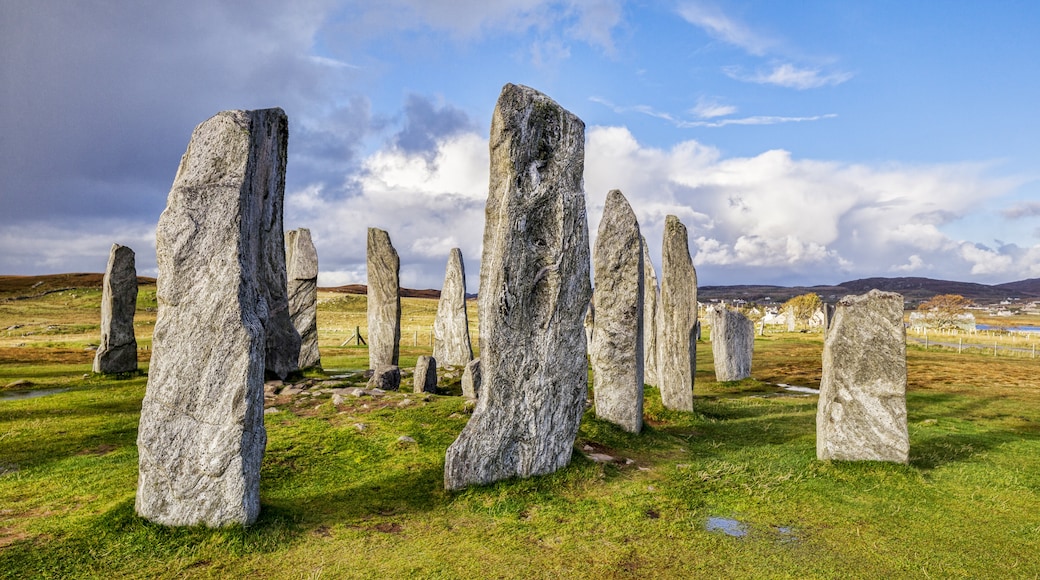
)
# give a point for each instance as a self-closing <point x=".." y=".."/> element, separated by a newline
<point x="1022" y="210"/>
<point x="426" y="124"/>
<point x="98" y="101"/>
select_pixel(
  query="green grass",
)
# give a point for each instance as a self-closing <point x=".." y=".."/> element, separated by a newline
<point x="339" y="501"/>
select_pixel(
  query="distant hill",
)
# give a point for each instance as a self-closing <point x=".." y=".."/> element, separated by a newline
<point x="1026" y="287"/>
<point x="914" y="290"/>
<point x="23" y="287"/>
<point x="362" y="289"/>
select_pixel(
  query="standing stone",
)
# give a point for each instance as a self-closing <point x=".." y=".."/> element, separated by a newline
<point x="451" y="344"/>
<point x="384" y="300"/>
<point x="862" y="409"/>
<point x="651" y="298"/>
<point x="385" y="377"/>
<point x="617" y="345"/>
<point x="677" y="346"/>
<point x="789" y="316"/>
<point x="732" y="343"/>
<point x="589" y="323"/>
<point x="534" y="286"/>
<point x="828" y="315"/>
<point x="471" y="379"/>
<point x="425" y="376"/>
<point x="201" y="438"/>
<point x="117" y="352"/>
<point x="301" y="260"/>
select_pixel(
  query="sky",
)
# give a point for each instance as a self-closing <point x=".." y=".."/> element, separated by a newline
<point x="800" y="143"/>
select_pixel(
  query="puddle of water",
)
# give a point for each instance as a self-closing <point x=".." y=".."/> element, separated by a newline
<point x="797" y="389"/>
<point x="728" y="526"/>
<point x="19" y="395"/>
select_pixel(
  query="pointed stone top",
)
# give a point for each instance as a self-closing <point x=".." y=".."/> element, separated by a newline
<point x="301" y="257"/>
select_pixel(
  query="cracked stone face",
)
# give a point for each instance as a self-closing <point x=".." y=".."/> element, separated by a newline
<point x="534" y="289"/>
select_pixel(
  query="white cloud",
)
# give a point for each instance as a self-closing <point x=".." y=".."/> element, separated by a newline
<point x="790" y="76"/>
<point x="718" y="25"/>
<point x="428" y="205"/>
<point x="75" y="246"/>
<point x="806" y="220"/>
<point x="711" y="108"/>
<point x="984" y="260"/>
<point x="707" y="112"/>
<point x="914" y="263"/>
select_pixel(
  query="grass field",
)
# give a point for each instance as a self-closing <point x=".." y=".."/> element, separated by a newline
<point x="343" y="498"/>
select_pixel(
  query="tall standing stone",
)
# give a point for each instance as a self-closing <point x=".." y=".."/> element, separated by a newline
<point x="732" y="343"/>
<point x="201" y="437"/>
<point x="677" y="346"/>
<point x="617" y="344"/>
<point x="384" y="300"/>
<point x="534" y="286"/>
<point x="117" y="352"/>
<point x="425" y="376"/>
<point x="451" y="344"/>
<point x="861" y="414"/>
<point x="471" y="379"/>
<point x="651" y="298"/>
<point x="301" y="260"/>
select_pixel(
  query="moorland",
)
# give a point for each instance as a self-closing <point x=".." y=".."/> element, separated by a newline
<point x="732" y="489"/>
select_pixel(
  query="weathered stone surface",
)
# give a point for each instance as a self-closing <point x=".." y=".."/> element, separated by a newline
<point x="789" y="317"/>
<point x="862" y="409"/>
<point x="589" y="323"/>
<point x="201" y="437"/>
<point x="283" y="341"/>
<point x="471" y="379"/>
<point x="117" y="352"/>
<point x="301" y="262"/>
<point x="384" y="300"/>
<point x="385" y="378"/>
<point x="677" y="342"/>
<point x="425" y="376"/>
<point x="732" y="343"/>
<point x="534" y="287"/>
<point x="617" y="345"/>
<point x="651" y="298"/>
<point x="451" y="344"/>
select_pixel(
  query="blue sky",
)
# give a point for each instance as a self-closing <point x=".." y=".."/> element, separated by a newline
<point x="801" y="143"/>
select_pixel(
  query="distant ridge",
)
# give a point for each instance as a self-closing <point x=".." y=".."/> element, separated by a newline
<point x="363" y="289"/>
<point x="914" y="290"/>
<point x="1030" y="286"/>
<point x="24" y="287"/>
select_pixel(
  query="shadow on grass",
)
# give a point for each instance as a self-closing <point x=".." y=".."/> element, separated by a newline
<point x="118" y="538"/>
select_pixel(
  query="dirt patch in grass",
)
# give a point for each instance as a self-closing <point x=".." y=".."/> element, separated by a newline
<point x="103" y="449"/>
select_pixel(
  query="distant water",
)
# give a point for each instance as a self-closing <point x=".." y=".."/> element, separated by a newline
<point x="1012" y="328"/>
<point x="19" y="395"/>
